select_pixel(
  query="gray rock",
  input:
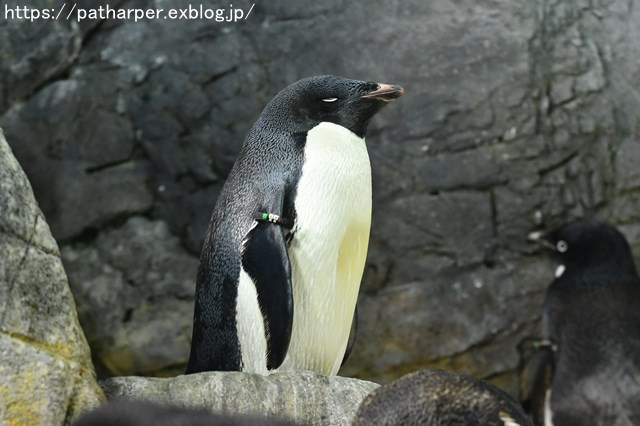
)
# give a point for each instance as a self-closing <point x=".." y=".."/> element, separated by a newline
<point x="46" y="375"/>
<point x="144" y="413"/>
<point x="434" y="323"/>
<point x="627" y="166"/>
<point x="134" y="286"/>
<point x="123" y="192"/>
<point x="426" y="238"/>
<point x="301" y="396"/>
<point x="73" y="163"/>
<point x="33" y="51"/>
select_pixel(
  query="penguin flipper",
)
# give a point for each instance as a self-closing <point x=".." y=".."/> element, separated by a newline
<point x="535" y="382"/>
<point x="266" y="260"/>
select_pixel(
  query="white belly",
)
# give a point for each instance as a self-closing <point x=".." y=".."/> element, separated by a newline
<point x="548" y="415"/>
<point x="329" y="248"/>
<point x="250" y="327"/>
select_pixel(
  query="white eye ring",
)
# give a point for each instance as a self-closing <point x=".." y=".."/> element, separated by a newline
<point x="562" y="246"/>
<point x="329" y="100"/>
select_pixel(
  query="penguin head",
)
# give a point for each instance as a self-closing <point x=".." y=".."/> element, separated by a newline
<point x="349" y="103"/>
<point x="436" y="397"/>
<point x="587" y="244"/>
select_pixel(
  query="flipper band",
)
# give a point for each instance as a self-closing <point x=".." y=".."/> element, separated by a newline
<point x="545" y="344"/>
<point x="272" y="218"/>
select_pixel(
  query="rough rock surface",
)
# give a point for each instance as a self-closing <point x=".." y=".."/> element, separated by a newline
<point x="32" y="52"/>
<point x="517" y="115"/>
<point x="46" y="375"/>
<point x="135" y="305"/>
<point x="304" y="397"/>
<point x="132" y="412"/>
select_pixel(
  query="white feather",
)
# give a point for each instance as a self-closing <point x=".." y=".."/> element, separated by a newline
<point x="507" y="419"/>
<point x="560" y="270"/>
<point x="535" y="236"/>
<point x="548" y="415"/>
<point x="250" y="327"/>
<point x="329" y="248"/>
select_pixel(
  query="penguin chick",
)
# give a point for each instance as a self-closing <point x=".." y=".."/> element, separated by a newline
<point x="283" y="257"/>
<point x="438" y="398"/>
<point x="591" y="321"/>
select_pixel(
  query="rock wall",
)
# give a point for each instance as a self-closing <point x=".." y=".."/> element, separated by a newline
<point x="46" y="375"/>
<point x="137" y="303"/>
<point x="517" y="115"/>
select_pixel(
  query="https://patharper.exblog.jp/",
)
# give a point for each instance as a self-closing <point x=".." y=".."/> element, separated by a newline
<point x="71" y="11"/>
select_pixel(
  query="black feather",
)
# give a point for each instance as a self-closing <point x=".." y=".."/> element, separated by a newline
<point x="591" y="313"/>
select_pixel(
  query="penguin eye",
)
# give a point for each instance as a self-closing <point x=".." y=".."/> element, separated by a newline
<point x="329" y="100"/>
<point x="562" y="246"/>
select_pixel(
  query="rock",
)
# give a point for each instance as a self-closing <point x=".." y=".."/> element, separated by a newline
<point x="123" y="192"/>
<point x="485" y="309"/>
<point x="144" y="413"/>
<point x="33" y="51"/>
<point x="627" y="160"/>
<point x="135" y="287"/>
<point x="76" y="162"/>
<point x="46" y="375"/>
<point x="301" y="396"/>
<point x="425" y="239"/>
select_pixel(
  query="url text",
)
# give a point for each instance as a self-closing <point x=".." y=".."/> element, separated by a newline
<point x="65" y="12"/>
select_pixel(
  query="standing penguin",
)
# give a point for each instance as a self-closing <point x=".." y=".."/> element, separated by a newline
<point x="591" y="323"/>
<point x="283" y="257"/>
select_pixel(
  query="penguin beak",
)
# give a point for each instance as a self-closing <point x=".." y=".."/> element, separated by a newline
<point x="539" y="237"/>
<point x="385" y="92"/>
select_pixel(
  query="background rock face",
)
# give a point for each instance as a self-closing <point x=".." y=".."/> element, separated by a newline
<point x="135" y="304"/>
<point x="46" y="376"/>
<point x="301" y="396"/>
<point x="517" y="115"/>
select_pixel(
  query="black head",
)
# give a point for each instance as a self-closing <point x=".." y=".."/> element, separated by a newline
<point x="435" y="397"/>
<point x="588" y="245"/>
<point x="349" y="103"/>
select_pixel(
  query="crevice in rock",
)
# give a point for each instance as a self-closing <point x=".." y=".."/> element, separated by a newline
<point x="212" y="79"/>
<point x="64" y="71"/>
<point x="105" y="166"/>
<point x="558" y="165"/>
<point x="69" y="407"/>
<point x="91" y="233"/>
<point x="92" y="32"/>
<point x="54" y="350"/>
<point x="21" y="238"/>
<point x="18" y="269"/>
<point x="293" y="18"/>
<point x="494" y="213"/>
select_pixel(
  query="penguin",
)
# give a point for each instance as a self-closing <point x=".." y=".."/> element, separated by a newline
<point x="284" y="254"/>
<point x="591" y="324"/>
<point x="435" y="398"/>
<point x="121" y="412"/>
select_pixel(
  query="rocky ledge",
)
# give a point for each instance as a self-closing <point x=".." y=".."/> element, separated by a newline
<point x="302" y="396"/>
